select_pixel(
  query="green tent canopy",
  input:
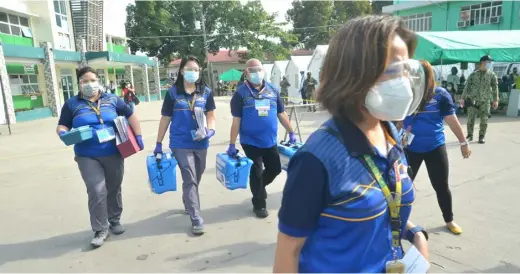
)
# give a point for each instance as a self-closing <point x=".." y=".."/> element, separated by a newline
<point x="449" y="47"/>
<point x="231" y="75"/>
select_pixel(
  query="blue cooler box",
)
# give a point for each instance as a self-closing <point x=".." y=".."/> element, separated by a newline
<point x="162" y="172"/>
<point x="286" y="152"/>
<point x="233" y="173"/>
<point x="77" y="135"/>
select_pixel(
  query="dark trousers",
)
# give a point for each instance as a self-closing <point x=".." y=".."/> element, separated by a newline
<point x="260" y="177"/>
<point x="438" y="170"/>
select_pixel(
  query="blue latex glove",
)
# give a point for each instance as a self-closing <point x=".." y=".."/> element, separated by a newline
<point x="139" y="140"/>
<point x="292" y="138"/>
<point x="158" y="149"/>
<point x="232" y="151"/>
<point x="209" y="133"/>
<point x="62" y="132"/>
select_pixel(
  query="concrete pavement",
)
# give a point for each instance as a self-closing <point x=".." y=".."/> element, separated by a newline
<point x="45" y="227"/>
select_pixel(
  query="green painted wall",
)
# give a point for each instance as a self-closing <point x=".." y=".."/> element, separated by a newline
<point x="446" y="15"/>
<point x="16" y="40"/>
<point x="116" y="48"/>
<point x="22" y="102"/>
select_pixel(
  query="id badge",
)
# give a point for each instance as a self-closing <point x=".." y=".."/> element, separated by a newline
<point x="263" y="104"/>
<point x="395" y="267"/>
<point x="105" y="134"/>
<point x="408" y="137"/>
<point x="263" y="113"/>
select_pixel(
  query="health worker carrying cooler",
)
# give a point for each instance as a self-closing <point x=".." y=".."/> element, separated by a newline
<point x="256" y="107"/>
<point x="187" y="101"/>
<point x="92" y="113"/>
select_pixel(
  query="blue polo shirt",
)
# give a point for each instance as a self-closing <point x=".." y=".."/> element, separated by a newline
<point x="332" y="200"/>
<point x="177" y="106"/>
<point x="427" y="125"/>
<point x="256" y="130"/>
<point x="76" y="112"/>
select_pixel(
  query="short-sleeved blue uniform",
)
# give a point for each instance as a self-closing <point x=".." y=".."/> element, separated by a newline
<point x="77" y="112"/>
<point x="177" y="106"/>
<point x="427" y="125"/>
<point x="333" y="200"/>
<point x="256" y="130"/>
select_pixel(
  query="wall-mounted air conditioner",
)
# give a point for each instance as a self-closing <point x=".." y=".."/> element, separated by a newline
<point x="462" y="24"/>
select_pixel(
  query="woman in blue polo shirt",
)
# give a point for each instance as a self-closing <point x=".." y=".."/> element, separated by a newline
<point x="425" y="141"/>
<point x="99" y="161"/>
<point x="338" y="213"/>
<point x="187" y="94"/>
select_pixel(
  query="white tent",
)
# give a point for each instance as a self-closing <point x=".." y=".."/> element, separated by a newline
<point x="277" y="72"/>
<point x="317" y="61"/>
<point x="267" y="71"/>
<point x="293" y="74"/>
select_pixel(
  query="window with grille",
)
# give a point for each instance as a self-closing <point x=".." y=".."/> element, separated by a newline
<point x="14" y="25"/>
<point x="419" y="22"/>
<point x="24" y="84"/>
<point x="484" y="13"/>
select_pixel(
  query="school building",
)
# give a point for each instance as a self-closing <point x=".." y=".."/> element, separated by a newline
<point x="436" y="15"/>
<point x="43" y="43"/>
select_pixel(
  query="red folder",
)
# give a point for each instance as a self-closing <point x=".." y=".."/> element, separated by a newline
<point x="129" y="147"/>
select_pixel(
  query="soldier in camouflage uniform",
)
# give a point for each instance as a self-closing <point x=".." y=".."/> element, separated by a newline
<point x="309" y="86"/>
<point x="481" y="85"/>
<point x="284" y="89"/>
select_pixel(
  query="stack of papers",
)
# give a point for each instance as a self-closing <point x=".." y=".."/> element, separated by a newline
<point x="122" y="128"/>
<point x="201" y="122"/>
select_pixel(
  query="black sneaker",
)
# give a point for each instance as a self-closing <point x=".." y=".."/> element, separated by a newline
<point x="481" y="140"/>
<point x="99" y="238"/>
<point x="469" y="137"/>
<point x="261" y="212"/>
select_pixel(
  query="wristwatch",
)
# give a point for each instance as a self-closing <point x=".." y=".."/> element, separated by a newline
<point x="464" y="143"/>
<point x="410" y="234"/>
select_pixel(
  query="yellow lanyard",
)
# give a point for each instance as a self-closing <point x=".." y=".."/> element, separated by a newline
<point x="192" y="103"/>
<point x="394" y="202"/>
<point x="97" y="110"/>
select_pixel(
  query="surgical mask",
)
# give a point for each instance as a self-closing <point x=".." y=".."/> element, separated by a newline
<point x="488" y="65"/>
<point x="398" y="97"/>
<point x="191" y="76"/>
<point x="90" y="90"/>
<point x="256" y="78"/>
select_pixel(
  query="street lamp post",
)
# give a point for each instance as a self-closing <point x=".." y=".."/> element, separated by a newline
<point x="206" y="48"/>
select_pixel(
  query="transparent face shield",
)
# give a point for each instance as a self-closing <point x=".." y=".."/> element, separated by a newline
<point x="413" y="71"/>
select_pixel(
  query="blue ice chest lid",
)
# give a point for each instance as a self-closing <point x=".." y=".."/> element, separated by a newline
<point x="83" y="128"/>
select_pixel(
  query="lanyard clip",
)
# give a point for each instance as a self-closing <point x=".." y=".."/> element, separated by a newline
<point x="395" y="224"/>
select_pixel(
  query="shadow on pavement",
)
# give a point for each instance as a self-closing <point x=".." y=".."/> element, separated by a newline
<point x="504" y="267"/>
<point x="169" y="222"/>
<point x="230" y="256"/>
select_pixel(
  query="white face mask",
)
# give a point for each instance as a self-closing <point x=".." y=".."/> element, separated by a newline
<point x="91" y="89"/>
<point x="390" y="100"/>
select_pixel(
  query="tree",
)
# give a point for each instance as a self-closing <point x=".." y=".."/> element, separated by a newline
<point x="167" y="29"/>
<point x="344" y="10"/>
<point x="310" y="20"/>
<point x="377" y="6"/>
<point x="316" y="21"/>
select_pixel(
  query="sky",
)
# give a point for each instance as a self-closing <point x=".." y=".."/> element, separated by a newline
<point x="280" y="6"/>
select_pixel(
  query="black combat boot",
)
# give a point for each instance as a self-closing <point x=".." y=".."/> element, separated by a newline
<point x="469" y="137"/>
<point x="481" y="139"/>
